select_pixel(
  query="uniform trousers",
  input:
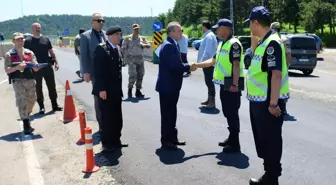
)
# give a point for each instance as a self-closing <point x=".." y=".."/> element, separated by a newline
<point x="230" y="106"/>
<point x="111" y="121"/>
<point x="168" y="108"/>
<point x="25" y="96"/>
<point x="208" y="76"/>
<point x="136" y="71"/>
<point x="267" y="132"/>
<point x="48" y="74"/>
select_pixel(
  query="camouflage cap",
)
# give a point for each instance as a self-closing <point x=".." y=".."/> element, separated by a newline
<point x="135" y="26"/>
<point x="17" y="35"/>
<point x="275" y="25"/>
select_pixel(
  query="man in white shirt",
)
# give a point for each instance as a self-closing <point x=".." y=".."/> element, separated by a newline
<point x="183" y="46"/>
<point x="206" y="51"/>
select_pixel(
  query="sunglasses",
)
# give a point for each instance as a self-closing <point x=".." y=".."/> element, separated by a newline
<point x="100" y="20"/>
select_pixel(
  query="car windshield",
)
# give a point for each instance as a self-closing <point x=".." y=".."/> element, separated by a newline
<point x="303" y="43"/>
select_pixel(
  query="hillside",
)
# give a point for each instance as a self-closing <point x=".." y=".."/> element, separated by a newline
<point x="55" y="24"/>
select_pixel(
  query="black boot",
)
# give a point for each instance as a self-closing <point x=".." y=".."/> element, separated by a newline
<point x="138" y="94"/>
<point x="27" y="129"/>
<point x="55" y="106"/>
<point x="265" y="180"/>
<point x="130" y="93"/>
<point x="233" y="145"/>
<point x="42" y="111"/>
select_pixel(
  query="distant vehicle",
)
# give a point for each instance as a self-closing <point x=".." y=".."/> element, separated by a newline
<point x="197" y="43"/>
<point x="26" y="35"/>
<point x="318" y="40"/>
<point x="245" y="41"/>
<point x="190" y="41"/>
<point x="303" y="52"/>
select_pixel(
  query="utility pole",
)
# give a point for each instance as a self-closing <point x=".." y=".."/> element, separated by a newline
<point x="21" y="9"/>
<point x="231" y="15"/>
<point x="262" y="2"/>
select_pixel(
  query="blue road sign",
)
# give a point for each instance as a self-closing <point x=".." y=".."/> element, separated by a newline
<point x="66" y="31"/>
<point x="157" y="26"/>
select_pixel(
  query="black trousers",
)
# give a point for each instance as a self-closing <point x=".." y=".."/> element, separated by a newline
<point x="184" y="57"/>
<point x="267" y="132"/>
<point x="208" y="76"/>
<point x="111" y="121"/>
<point x="48" y="74"/>
<point x="168" y="107"/>
<point x="98" y="111"/>
<point x="230" y="106"/>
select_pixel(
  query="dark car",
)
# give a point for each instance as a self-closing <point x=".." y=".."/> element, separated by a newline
<point x="245" y="41"/>
<point x="190" y="41"/>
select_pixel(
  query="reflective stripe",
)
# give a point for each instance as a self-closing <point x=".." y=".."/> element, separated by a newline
<point x="88" y="136"/>
<point x="284" y="80"/>
<point x="68" y="93"/>
<point x="222" y="69"/>
<point x="89" y="146"/>
<point x="256" y="98"/>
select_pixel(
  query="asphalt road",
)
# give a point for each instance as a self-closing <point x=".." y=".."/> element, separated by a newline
<point x="309" y="135"/>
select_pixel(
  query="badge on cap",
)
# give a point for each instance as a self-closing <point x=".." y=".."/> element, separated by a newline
<point x="235" y="46"/>
<point x="270" y="50"/>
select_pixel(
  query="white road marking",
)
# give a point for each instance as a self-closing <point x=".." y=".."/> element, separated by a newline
<point x="33" y="166"/>
<point x="3" y="81"/>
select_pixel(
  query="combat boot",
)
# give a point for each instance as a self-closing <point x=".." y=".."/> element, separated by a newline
<point x="27" y="129"/>
<point x="130" y="93"/>
<point x="211" y="103"/>
<point x="138" y="94"/>
<point x="232" y="144"/>
<point x="55" y="106"/>
<point x="42" y="110"/>
<point x="205" y="102"/>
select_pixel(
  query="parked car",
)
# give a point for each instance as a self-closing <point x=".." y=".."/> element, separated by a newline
<point x="190" y="41"/>
<point x="303" y="53"/>
<point x="245" y="41"/>
<point x="318" y="40"/>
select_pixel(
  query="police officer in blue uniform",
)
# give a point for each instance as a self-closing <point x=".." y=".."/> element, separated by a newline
<point x="266" y="116"/>
<point x="108" y="86"/>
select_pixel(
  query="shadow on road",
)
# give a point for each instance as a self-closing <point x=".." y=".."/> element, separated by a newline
<point x="169" y="157"/>
<point x="205" y="110"/>
<point x="39" y="116"/>
<point x="240" y="160"/>
<point x="16" y="137"/>
<point x="289" y="118"/>
<point x="135" y="100"/>
<point x="78" y="81"/>
<point x="293" y="74"/>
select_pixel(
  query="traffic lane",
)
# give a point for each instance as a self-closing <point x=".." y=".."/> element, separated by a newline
<point x="198" y="163"/>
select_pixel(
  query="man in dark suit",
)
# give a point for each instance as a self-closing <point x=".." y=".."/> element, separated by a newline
<point x="88" y="42"/>
<point x="108" y="87"/>
<point x="169" y="83"/>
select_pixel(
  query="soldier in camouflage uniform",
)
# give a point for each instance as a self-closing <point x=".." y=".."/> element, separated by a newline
<point x="132" y="50"/>
<point x="275" y="26"/>
<point x="16" y="62"/>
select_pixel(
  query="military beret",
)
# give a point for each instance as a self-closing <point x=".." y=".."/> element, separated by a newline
<point x="112" y="30"/>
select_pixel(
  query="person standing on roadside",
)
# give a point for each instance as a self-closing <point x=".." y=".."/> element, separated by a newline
<point x="42" y="48"/>
<point x="77" y="52"/>
<point x="16" y="61"/>
<point x="206" y="51"/>
<point x="183" y="44"/>
<point x="88" y="42"/>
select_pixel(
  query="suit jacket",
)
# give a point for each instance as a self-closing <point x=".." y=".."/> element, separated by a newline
<point x="88" y="43"/>
<point x="107" y="71"/>
<point x="171" y="68"/>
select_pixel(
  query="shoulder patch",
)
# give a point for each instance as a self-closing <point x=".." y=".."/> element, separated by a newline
<point x="12" y="51"/>
<point x="270" y="50"/>
<point x="27" y="50"/>
<point x="235" y="45"/>
<point x="102" y="44"/>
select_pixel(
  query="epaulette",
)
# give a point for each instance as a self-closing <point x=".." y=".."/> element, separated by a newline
<point x="102" y="44"/>
<point x="12" y="51"/>
<point x="27" y="50"/>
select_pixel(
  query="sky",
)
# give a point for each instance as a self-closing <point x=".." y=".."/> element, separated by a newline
<point x="117" y="8"/>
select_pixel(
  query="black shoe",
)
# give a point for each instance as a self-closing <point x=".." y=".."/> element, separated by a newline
<point x="264" y="180"/>
<point x="55" y="106"/>
<point x="27" y="129"/>
<point x="224" y="143"/>
<point x="169" y="146"/>
<point x="108" y="149"/>
<point x="231" y="149"/>
<point x="138" y="94"/>
<point x="179" y="143"/>
<point x="130" y="93"/>
<point x="42" y="110"/>
<point x="78" y="74"/>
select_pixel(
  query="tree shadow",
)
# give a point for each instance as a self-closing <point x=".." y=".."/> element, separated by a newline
<point x="238" y="160"/>
<point x="169" y="157"/>
<point x="136" y="100"/>
<point x="205" y="110"/>
<point x="19" y="137"/>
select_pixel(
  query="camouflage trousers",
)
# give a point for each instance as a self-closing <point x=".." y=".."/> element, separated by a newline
<point x="25" y="95"/>
<point x="136" y="71"/>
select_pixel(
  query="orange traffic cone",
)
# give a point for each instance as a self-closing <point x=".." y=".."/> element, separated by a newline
<point x="90" y="161"/>
<point x="82" y="125"/>
<point x="69" y="112"/>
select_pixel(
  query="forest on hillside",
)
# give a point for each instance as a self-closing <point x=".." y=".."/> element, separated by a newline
<point x="55" y="24"/>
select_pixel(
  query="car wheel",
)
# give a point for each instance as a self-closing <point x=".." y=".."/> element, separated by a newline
<point x="247" y="62"/>
<point x="307" y="72"/>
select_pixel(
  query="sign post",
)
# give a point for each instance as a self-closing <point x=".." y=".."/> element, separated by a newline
<point x="157" y="39"/>
<point x="66" y="32"/>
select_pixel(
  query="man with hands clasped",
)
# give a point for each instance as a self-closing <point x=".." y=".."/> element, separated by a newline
<point x="229" y="75"/>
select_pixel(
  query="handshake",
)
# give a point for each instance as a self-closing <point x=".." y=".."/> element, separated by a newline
<point x="193" y="67"/>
